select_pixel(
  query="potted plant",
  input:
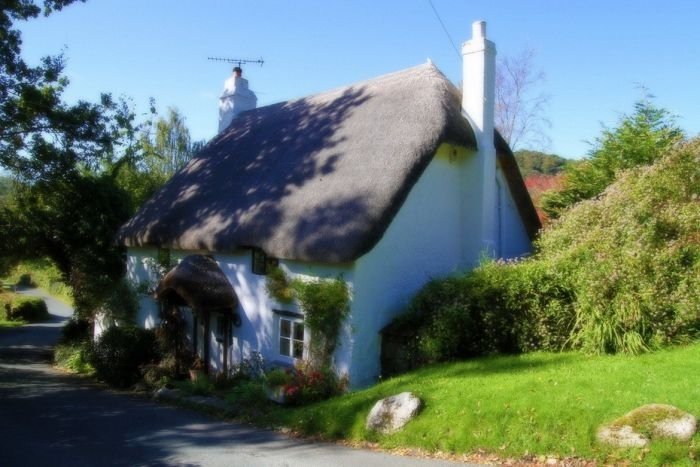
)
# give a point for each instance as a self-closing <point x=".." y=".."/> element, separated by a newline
<point x="275" y="382"/>
<point x="197" y="369"/>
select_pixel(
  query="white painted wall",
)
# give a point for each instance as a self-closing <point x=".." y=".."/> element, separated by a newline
<point x="258" y="331"/>
<point x="514" y="241"/>
<point x="424" y="241"/>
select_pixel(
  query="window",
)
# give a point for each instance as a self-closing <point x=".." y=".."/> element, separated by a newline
<point x="262" y="264"/>
<point x="291" y="337"/>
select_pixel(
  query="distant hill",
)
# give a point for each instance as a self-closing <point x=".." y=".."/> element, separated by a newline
<point x="535" y="162"/>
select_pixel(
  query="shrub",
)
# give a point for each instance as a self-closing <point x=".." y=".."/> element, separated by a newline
<point x="251" y="368"/>
<point x="25" y="280"/>
<point x="499" y="307"/>
<point x="310" y="384"/>
<point x="278" y="377"/>
<point x="26" y="308"/>
<point x="74" y="357"/>
<point x="120" y="352"/>
<point x="247" y="395"/>
<point x="76" y="330"/>
<point x="633" y="257"/>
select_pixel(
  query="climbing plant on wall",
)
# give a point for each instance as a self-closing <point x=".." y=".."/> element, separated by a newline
<point x="325" y="303"/>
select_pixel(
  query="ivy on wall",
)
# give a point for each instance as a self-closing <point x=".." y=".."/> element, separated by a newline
<point x="325" y="303"/>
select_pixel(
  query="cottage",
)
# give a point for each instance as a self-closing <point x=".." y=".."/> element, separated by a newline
<point x="388" y="183"/>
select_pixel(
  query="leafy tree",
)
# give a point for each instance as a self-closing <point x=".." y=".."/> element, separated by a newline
<point x="536" y="162"/>
<point x="5" y="189"/>
<point x="166" y="151"/>
<point x="639" y="139"/>
<point x="64" y="157"/>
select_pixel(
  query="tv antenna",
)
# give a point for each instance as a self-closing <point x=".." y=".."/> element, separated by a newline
<point x="237" y="61"/>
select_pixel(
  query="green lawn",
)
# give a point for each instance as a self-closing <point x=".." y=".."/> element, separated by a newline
<point x="540" y="403"/>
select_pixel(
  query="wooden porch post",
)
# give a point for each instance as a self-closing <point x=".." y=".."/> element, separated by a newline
<point x="207" y="339"/>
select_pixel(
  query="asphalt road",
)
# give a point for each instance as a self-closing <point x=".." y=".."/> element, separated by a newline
<point x="51" y="419"/>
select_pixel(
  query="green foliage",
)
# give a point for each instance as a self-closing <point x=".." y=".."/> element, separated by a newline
<point x="23" y="308"/>
<point x="67" y="204"/>
<point x="536" y="162"/>
<point x="119" y="305"/>
<point x="76" y="330"/>
<point x="44" y="274"/>
<point x="500" y="307"/>
<point x="6" y="187"/>
<point x="278" y="287"/>
<point x="74" y="357"/>
<point x="165" y="152"/>
<point x="248" y="396"/>
<point x="277" y="377"/>
<point x="120" y="352"/>
<point x="326" y="304"/>
<point x="201" y="386"/>
<point x="633" y="257"/>
<point x="639" y="139"/>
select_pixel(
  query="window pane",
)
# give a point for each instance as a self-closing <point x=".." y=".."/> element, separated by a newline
<point x="298" y="349"/>
<point x="299" y="331"/>
<point x="285" y="328"/>
<point x="284" y="347"/>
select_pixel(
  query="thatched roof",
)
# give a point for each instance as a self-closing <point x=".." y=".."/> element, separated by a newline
<point x="198" y="282"/>
<point x="316" y="179"/>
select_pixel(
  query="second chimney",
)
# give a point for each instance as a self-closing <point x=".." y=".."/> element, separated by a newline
<point x="478" y="98"/>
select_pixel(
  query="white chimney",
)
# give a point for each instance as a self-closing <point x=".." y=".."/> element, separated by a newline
<point x="235" y="99"/>
<point x="478" y="98"/>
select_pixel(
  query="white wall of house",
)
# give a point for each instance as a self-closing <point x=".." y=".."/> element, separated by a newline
<point x="259" y="322"/>
<point x="513" y="240"/>
<point x="424" y="241"/>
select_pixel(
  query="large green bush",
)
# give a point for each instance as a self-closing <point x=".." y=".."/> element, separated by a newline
<point x="120" y="352"/>
<point x="500" y="307"/>
<point x="18" y="307"/>
<point x="633" y="257"/>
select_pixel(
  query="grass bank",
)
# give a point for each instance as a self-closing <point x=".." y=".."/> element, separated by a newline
<point x="45" y="275"/>
<point x="515" y="406"/>
<point x="7" y="324"/>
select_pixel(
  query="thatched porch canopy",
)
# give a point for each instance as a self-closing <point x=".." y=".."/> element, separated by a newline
<point x="199" y="283"/>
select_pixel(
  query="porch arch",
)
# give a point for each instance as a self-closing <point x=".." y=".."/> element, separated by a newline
<point x="199" y="283"/>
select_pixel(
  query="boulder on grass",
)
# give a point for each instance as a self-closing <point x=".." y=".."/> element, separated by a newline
<point x="652" y="421"/>
<point x="391" y="414"/>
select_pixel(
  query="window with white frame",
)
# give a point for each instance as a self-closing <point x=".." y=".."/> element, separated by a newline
<point x="291" y="337"/>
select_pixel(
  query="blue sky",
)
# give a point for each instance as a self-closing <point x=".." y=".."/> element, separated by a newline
<point x="595" y="53"/>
